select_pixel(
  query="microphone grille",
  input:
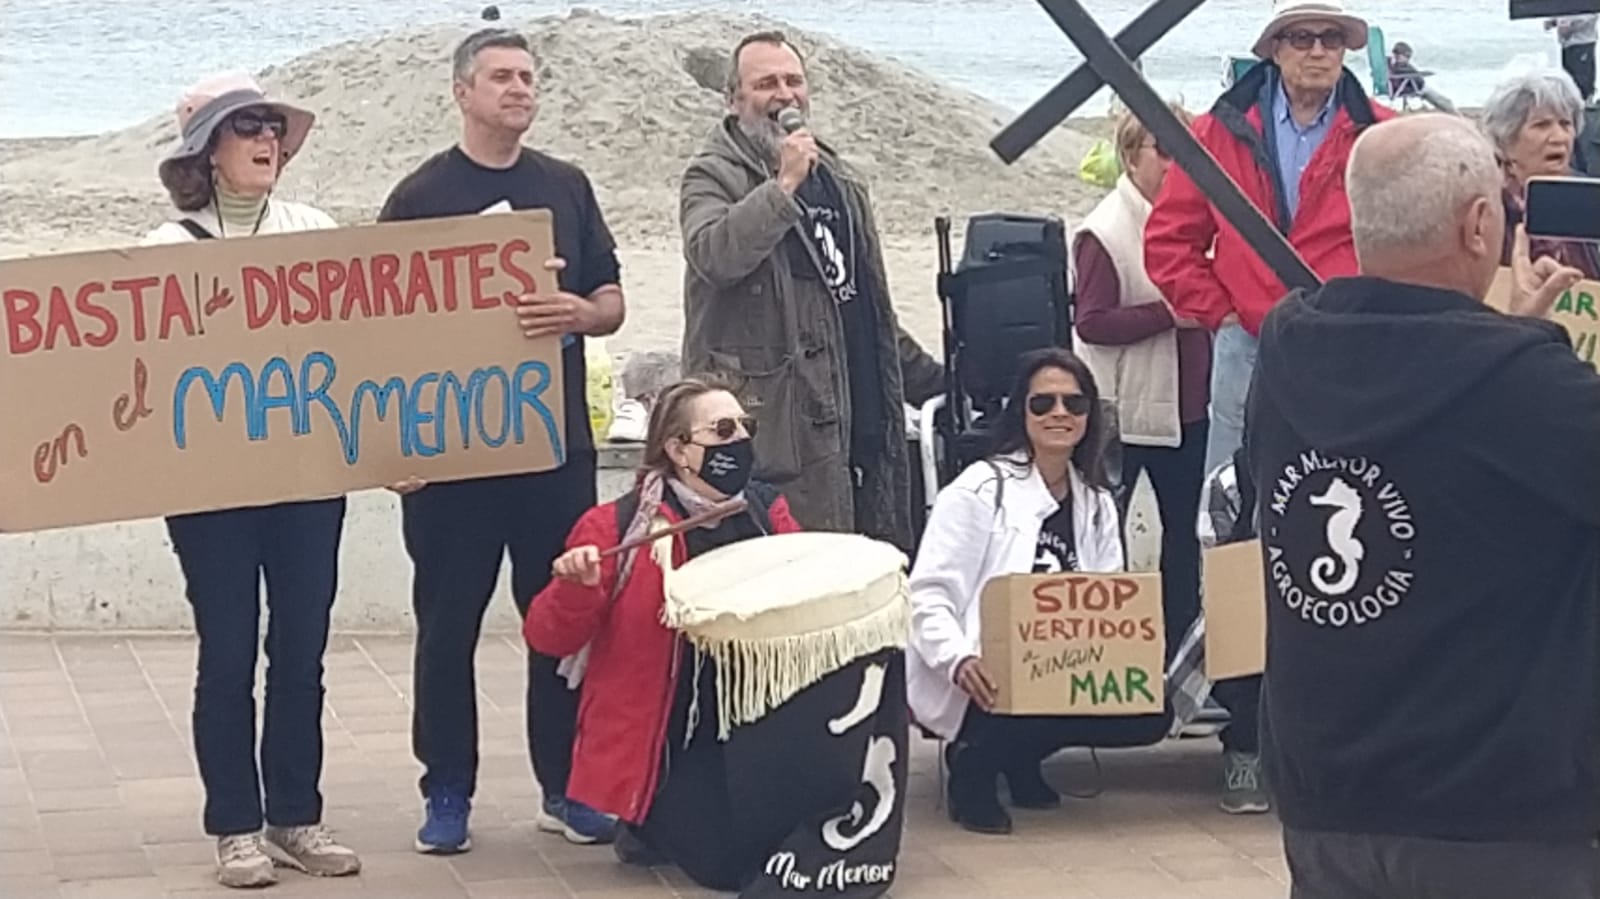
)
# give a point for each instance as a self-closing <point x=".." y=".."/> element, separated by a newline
<point x="791" y="119"/>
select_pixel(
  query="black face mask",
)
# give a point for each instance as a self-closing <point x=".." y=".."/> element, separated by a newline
<point x="726" y="467"/>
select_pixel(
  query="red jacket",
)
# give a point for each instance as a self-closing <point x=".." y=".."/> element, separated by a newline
<point x="1184" y="225"/>
<point x="632" y="670"/>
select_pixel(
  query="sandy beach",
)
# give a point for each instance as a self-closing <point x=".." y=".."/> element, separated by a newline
<point x="627" y="99"/>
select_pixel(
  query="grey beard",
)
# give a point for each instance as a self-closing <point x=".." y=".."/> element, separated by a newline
<point x="766" y="134"/>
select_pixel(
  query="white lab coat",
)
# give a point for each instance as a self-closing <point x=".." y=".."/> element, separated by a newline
<point x="967" y="542"/>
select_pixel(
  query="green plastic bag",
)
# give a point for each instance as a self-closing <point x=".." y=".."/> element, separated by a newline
<point x="1100" y="166"/>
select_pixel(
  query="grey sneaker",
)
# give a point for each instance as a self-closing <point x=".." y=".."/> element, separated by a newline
<point x="311" y="849"/>
<point x="241" y="862"/>
<point x="1242" y="792"/>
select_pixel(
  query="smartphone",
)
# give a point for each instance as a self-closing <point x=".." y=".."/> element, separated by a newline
<point x="1564" y="208"/>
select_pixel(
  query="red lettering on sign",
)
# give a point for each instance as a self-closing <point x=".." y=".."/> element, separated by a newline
<point x="508" y="262"/>
<point x="86" y="305"/>
<point x="174" y="305"/>
<point x="121" y="415"/>
<point x="23" y="334"/>
<point x="479" y="273"/>
<point x="418" y="285"/>
<point x="355" y="292"/>
<point x="60" y="319"/>
<point x="386" y="283"/>
<point x="1044" y="601"/>
<point x="261" y="297"/>
<point x="448" y="257"/>
<point x="330" y="277"/>
<point x="54" y="453"/>
<point x="1147" y="630"/>
<point x="135" y="288"/>
<point x="1123" y="591"/>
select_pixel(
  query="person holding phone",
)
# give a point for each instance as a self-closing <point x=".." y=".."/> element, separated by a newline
<point x="1533" y="121"/>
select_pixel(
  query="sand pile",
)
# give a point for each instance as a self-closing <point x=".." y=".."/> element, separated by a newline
<point x="628" y="99"/>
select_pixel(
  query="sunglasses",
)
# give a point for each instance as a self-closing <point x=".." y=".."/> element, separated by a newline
<point x="726" y="428"/>
<point x="1042" y="404"/>
<point x="251" y="124"/>
<point x="1300" y="39"/>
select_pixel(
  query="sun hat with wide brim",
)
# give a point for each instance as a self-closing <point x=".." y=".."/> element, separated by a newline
<point x="1288" y="12"/>
<point x="205" y="106"/>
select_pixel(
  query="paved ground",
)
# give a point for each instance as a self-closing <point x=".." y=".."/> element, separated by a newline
<point x="99" y="797"/>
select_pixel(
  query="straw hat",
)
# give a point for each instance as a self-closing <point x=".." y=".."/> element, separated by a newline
<point x="205" y="106"/>
<point x="1288" y="12"/>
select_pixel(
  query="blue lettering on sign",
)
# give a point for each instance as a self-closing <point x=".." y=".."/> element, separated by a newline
<point x="438" y="411"/>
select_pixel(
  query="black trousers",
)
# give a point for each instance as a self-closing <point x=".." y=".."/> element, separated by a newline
<point x="1241" y="696"/>
<point x="224" y="556"/>
<point x="456" y="534"/>
<point x="1578" y="60"/>
<point x="1363" y="866"/>
<point x="1177" y="474"/>
<point x="1014" y="742"/>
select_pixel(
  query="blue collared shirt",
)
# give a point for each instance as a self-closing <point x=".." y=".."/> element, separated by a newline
<point x="1296" y="144"/>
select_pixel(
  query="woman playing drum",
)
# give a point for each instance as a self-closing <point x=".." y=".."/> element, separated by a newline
<point x="1040" y="503"/>
<point x="640" y="752"/>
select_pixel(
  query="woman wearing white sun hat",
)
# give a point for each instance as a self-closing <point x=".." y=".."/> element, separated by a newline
<point x="233" y="144"/>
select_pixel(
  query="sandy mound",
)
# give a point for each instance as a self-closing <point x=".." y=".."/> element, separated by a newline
<point x="628" y="99"/>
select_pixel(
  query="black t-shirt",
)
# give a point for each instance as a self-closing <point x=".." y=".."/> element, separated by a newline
<point x="451" y="184"/>
<point x="1058" y="544"/>
<point x="833" y="235"/>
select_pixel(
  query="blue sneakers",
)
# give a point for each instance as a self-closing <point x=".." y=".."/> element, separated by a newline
<point x="444" y="829"/>
<point x="577" y="822"/>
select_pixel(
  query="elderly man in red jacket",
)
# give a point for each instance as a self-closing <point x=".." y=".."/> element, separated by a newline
<point x="1283" y="132"/>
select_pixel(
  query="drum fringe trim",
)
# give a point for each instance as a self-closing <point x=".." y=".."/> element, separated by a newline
<point x="755" y="676"/>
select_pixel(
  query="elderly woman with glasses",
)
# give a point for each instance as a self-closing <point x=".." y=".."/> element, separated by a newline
<point x="642" y="753"/>
<point x="233" y="145"/>
<point x="1534" y="120"/>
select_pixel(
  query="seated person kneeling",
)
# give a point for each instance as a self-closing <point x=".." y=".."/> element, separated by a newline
<point x="1040" y="503"/>
<point x="632" y="757"/>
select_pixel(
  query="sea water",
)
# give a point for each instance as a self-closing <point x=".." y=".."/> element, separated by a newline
<point x="85" y="66"/>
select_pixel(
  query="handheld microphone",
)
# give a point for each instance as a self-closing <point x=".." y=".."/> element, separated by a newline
<point x="791" y="119"/>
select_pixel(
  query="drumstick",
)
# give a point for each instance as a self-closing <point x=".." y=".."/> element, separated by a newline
<point x="715" y="513"/>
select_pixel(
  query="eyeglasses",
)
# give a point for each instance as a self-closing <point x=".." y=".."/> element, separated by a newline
<point x="1042" y="404"/>
<point x="1300" y="39"/>
<point x="251" y="124"/>
<point x="726" y="428"/>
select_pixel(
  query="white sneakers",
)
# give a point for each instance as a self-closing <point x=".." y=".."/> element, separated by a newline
<point x="630" y="422"/>
<point x="247" y="860"/>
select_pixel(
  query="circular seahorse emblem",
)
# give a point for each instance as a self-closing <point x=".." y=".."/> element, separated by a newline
<point x="1340" y="539"/>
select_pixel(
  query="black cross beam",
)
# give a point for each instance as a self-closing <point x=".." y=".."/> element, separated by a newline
<point x="1110" y="65"/>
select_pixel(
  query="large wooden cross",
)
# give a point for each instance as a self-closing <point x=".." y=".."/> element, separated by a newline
<point x="1107" y="63"/>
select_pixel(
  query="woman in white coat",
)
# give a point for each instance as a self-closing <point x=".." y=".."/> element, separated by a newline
<point x="1039" y="503"/>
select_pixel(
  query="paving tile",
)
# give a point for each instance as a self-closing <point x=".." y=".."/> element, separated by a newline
<point x="103" y="799"/>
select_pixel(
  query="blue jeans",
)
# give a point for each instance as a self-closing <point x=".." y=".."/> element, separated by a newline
<point x="224" y="555"/>
<point x="1233" y="360"/>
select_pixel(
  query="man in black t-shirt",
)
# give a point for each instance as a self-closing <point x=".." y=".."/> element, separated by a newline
<point x="456" y="533"/>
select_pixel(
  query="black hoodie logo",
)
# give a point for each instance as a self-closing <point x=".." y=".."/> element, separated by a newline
<point x="1339" y="540"/>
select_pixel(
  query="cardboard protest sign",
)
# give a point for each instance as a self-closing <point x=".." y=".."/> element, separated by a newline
<point x="221" y="373"/>
<point x="1075" y="644"/>
<point x="1235" y="604"/>
<point x="1578" y="310"/>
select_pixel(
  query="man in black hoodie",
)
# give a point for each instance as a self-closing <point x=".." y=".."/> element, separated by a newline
<point x="1429" y="480"/>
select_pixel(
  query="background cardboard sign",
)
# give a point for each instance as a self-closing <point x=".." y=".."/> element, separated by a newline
<point x="222" y="373"/>
<point x="1578" y="310"/>
<point x="1235" y="605"/>
<point x="1075" y="644"/>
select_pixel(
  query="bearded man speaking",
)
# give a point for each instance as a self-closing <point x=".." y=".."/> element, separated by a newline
<point x="785" y="297"/>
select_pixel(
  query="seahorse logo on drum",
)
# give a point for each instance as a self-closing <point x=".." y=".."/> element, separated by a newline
<point x="1346" y="502"/>
<point x="877" y="773"/>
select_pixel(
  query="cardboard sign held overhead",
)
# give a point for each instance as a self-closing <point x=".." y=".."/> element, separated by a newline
<point x="1235" y="604"/>
<point x="1578" y="310"/>
<point x="242" y="372"/>
<point x="1075" y="644"/>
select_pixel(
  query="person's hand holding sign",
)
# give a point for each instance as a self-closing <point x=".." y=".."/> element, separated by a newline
<point x="1536" y="284"/>
<point x="409" y="485"/>
<point x="975" y="681"/>
<point x="558" y="312"/>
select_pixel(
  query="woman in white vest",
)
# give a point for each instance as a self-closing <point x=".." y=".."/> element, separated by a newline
<point x="1156" y="367"/>
<point x="1040" y="502"/>
<point x="263" y="800"/>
